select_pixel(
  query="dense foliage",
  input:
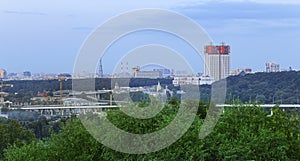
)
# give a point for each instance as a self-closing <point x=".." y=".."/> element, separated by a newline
<point x="242" y="133"/>
<point x="279" y="87"/>
<point x="12" y="133"/>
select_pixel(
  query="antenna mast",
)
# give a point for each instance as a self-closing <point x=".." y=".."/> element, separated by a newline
<point x="100" y="69"/>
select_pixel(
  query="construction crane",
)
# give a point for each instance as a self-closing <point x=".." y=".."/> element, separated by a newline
<point x="2" y="85"/>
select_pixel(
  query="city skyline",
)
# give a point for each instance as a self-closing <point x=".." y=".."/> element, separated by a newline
<point x="42" y="39"/>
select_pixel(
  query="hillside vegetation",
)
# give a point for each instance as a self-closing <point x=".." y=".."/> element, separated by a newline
<point x="281" y="87"/>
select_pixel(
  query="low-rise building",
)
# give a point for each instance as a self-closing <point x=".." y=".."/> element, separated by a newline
<point x="192" y="80"/>
<point x="137" y="73"/>
<point x="240" y="71"/>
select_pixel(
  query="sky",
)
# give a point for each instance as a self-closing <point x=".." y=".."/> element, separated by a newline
<point x="46" y="36"/>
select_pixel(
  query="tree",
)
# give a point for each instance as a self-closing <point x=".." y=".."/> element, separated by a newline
<point x="73" y="143"/>
<point x="12" y="133"/>
<point x="247" y="133"/>
<point x="242" y="133"/>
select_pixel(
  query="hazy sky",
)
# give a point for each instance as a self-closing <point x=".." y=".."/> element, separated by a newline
<point x="45" y="36"/>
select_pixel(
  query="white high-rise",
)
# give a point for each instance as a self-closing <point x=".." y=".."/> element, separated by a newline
<point x="272" y="67"/>
<point x="217" y="61"/>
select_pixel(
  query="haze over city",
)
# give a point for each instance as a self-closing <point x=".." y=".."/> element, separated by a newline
<point x="149" y="80"/>
<point x="46" y="36"/>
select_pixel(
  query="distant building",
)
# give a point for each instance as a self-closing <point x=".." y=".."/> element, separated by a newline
<point x="192" y="80"/>
<point x="65" y="75"/>
<point x="272" y="67"/>
<point x="135" y="70"/>
<point x="240" y="71"/>
<point x="3" y="73"/>
<point x="137" y="73"/>
<point x="43" y="94"/>
<point x="27" y="74"/>
<point x="12" y="75"/>
<point x="181" y="73"/>
<point x="165" y="72"/>
<point x="217" y="61"/>
<point x="148" y="74"/>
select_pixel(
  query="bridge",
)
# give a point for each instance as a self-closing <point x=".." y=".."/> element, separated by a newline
<point x="4" y="115"/>
<point x="65" y="107"/>
<point x="282" y="106"/>
<point x="68" y="110"/>
<point x="263" y="105"/>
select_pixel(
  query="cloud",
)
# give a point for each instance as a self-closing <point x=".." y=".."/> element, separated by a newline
<point x="24" y="12"/>
<point x="276" y="1"/>
<point x="82" y="28"/>
<point x="282" y="23"/>
<point x="243" y="11"/>
<point x="240" y="17"/>
<point x="252" y="1"/>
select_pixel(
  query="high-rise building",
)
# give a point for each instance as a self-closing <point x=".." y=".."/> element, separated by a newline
<point x="272" y="67"/>
<point x="217" y="61"/>
<point x="27" y="74"/>
<point x="3" y="73"/>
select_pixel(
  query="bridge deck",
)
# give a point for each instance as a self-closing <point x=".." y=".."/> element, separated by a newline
<point x="110" y="107"/>
<point x="66" y="107"/>
<point x="263" y="105"/>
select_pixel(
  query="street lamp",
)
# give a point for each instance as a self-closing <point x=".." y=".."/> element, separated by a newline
<point x="110" y="97"/>
<point x="250" y="99"/>
<point x="256" y="98"/>
<point x="297" y="95"/>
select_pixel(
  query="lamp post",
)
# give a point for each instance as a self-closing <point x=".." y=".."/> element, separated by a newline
<point x="250" y="100"/>
<point x="297" y="95"/>
<point x="256" y="98"/>
<point x="110" y="98"/>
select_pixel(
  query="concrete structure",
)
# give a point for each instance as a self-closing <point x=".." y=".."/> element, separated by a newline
<point x="217" y="61"/>
<point x="192" y="80"/>
<point x="3" y="73"/>
<point x="272" y="67"/>
<point x="137" y="73"/>
<point x="66" y="110"/>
